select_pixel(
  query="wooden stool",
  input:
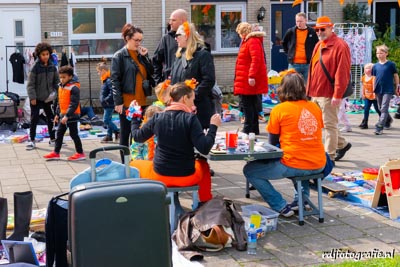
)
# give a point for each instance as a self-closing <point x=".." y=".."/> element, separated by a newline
<point x="303" y="198"/>
<point x="172" y="209"/>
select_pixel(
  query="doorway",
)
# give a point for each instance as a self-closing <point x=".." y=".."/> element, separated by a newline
<point x="23" y="24"/>
<point x="282" y="18"/>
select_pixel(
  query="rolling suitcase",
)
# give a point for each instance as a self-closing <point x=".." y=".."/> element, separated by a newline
<point x="119" y="223"/>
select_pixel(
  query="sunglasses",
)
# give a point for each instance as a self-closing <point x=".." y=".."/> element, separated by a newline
<point x="322" y="30"/>
<point x="178" y="34"/>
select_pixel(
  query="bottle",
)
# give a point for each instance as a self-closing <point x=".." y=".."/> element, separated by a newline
<point x="252" y="240"/>
<point x="252" y="139"/>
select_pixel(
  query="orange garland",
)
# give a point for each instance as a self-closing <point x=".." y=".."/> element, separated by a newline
<point x="191" y="83"/>
<point x="186" y="28"/>
<point x="298" y="2"/>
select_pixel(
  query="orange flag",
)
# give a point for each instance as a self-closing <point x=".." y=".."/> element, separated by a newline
<point x="341" y="2"/>
<point x="298" y="2"/>
<point x="369" y="2"/>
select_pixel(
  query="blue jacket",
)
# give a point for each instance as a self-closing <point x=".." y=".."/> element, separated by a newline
<point x="106" y="96"/>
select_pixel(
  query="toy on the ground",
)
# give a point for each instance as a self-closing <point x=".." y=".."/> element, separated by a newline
<point x="334" y="188"/>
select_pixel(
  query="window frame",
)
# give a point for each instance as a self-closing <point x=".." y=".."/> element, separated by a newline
<point x="99" y="15"/>
<point x="219" y="8"/>
<point x="319" y="11"/>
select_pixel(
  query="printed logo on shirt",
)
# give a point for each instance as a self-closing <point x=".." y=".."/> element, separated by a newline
<point x="308" y="124"/>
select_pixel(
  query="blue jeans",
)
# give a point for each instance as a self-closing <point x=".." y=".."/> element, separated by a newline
<point x="367" y="106"/>
<point x="107" y="118"/>
<point x="300" y="68"/>
<point x="88" y="111"/>
<point x="259" y="172"/>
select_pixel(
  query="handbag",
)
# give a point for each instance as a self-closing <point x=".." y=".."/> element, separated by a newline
<point x="349" y="89"/>
<point x="215" y="239"/>
<point x="148" y="91"/>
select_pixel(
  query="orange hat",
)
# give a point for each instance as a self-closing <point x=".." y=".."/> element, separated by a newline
<point x="323" y="22"/>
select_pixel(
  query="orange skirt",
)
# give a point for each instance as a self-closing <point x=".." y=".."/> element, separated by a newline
<point x="201" y="177"/>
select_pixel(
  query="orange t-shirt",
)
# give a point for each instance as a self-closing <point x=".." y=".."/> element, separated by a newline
<point x="299" y="124"/>
<point x="139" y="94"/>
<point x="300" y="53"/>
<point x="368" y="87"/>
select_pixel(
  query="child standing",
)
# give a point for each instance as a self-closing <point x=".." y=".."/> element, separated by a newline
<point x="42" y="81"/>
<point x="368" y="94"/>
<point x="342" y="116"/>
<point x="107" y="102"/>
<point x="384" y="71"/>
<point x="68" y="108"/>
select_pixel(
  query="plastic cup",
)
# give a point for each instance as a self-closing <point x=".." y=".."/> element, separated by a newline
<point x="231" y="141"/>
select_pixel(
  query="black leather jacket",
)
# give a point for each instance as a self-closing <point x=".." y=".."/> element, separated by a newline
<point x="289" y="43"/>
<point x="164" y="57"/>
<point x="124" y="71"/>
<point x="201" y="67"/>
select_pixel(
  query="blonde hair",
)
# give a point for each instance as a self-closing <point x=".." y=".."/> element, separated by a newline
<point x="102" y="65"/>
<point x="382" y="48"/>
<point x="150" y="111"/>
<point x="162" y="93"/>
<point x="243" y="28"/>
<point x="368" y="66"/>
<point x="193" y="42"/>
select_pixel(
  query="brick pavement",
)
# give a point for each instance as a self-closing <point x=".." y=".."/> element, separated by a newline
<point x="345" y="227"/>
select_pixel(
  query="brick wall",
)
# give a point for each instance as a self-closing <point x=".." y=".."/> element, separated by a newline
<point x="147" y="15"/>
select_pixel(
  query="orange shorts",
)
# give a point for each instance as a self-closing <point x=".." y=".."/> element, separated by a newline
<point x="201" y="177"/>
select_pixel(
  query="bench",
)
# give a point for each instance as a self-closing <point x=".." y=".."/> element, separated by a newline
<point x="303" y="198"/>
<point x="172" y="193"/>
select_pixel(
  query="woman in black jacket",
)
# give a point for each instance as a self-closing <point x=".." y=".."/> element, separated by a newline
<point x="193" y="60"/>
<point x="178" y="132"/>
<point x="131" y="69"/>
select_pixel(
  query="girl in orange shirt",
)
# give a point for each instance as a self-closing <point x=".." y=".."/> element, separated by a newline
<point x="368" y="94"/>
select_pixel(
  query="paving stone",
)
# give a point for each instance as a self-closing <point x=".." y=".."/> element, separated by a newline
<point x="368" y="244"/>
<point x="277" y="240"/>
<point x="319" y="242"/>
<point x="296" y="256"/>
<point x="342" y="232"/>
<point x="386" y="234"/>
<point x="242" y="256"/>
<point x="364" y="222"/>
<point x="14" y="181"/>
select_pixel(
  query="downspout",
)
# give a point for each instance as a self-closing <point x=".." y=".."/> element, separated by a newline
<point x="162" y="17"/>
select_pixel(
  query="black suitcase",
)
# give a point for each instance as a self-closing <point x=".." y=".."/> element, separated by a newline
<point x="119" y="223"/>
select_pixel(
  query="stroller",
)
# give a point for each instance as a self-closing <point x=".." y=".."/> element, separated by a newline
<point x="9" y="103"/>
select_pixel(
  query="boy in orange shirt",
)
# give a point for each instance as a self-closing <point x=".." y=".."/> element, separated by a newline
<point x="368" y="94"/>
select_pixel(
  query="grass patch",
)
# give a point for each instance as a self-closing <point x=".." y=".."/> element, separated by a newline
<point x="387" y="262"/>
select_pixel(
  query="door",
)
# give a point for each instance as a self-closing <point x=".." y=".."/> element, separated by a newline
<point x="23" y="24"/>
<point x="282" y="18"/>
<point x="387" y="14"/>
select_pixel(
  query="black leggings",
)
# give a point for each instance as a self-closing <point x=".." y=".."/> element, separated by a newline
<point x="35" y="118"/>
<point x="73" y="132"/>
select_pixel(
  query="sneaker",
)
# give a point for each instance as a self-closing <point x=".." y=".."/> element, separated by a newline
<point x="95" y="118"/>
<point x="295" y="205"/>
<point x="341" y="152"/>
<point x="52" y="156"/>
<point x="378" y="131"/>
<point x="31" y="145"/>
<point x="77" y="156"/>
<point x="346" y="129"/>
<point x="287" y="211"/>
<point x="53" y="143"/>
<point x="106" y="139"/>
<point x="261" y="118"/>
<point x="388" y="124"/>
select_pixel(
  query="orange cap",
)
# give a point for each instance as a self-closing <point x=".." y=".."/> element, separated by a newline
<point x="323" y="22"/>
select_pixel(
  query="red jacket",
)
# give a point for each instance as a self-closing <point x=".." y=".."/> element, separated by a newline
<point x="337" y="60"/>
<point x="250" y="63"/>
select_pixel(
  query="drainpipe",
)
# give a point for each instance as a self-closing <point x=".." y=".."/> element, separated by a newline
<point x="162" y="17"/>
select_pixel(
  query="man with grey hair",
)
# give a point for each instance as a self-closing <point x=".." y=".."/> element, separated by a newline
<point x="298" y="44"/>
<point x="164" y="55"/>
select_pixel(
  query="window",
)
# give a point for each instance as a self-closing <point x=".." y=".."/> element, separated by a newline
<point x="313" y="11"/>
<point x="98" y="26"/>
<point x="217" y="24"/>
<point x="19" y="30"/>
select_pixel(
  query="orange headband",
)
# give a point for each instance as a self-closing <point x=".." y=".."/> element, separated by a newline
<point x="186" y="28"/>
<point x="191" y="83"/>
<point x="164" y="86"/>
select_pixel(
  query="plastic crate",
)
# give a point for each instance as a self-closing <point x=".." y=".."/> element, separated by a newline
<point x="270" y="216"/>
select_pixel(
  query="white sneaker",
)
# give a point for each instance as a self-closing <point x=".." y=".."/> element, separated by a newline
<point x="31" y="145"/>
<point x="346" y="129"/>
